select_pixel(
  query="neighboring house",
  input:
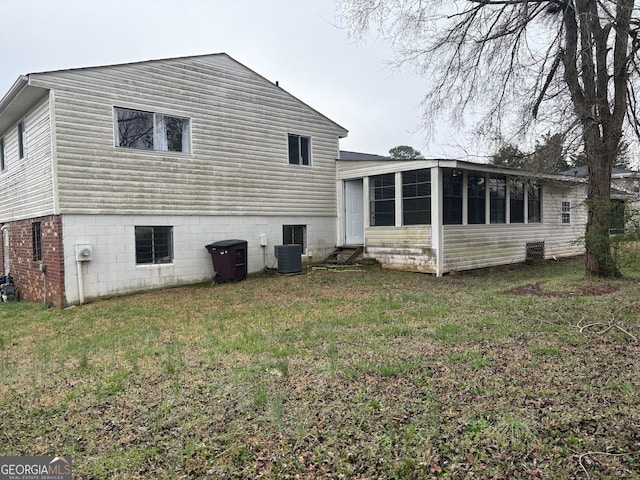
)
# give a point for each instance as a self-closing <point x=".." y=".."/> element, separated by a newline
<point x="625" y="195"/>
<point x="622" y="179"/>
<point x="440" y="216"/>
<point x="114" y="178"/>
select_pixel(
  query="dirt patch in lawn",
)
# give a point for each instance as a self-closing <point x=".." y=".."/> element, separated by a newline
<point x="588" y="291"/>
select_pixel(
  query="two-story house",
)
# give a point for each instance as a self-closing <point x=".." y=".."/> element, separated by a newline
<point x="114" y="178"/>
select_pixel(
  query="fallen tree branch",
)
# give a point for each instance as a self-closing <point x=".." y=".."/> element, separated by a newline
<point x="582" y="456"/>
<point x="607" y="326"/>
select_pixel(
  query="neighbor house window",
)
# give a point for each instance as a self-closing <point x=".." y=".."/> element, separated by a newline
<point x="416" y="197"/>
<point x="617" y="216"/>
<point x="154" y="245"/>
<point x="382" y="194"/>
<point x="498" y="198"/>
<point x="36" y="235"/>
<point x="534" y="203"/>
<point x="476" y="198"/>
<point x="299" y="150"/>
<point x="21" y="140"/>
<point x="566" y="213"/>
<point x="452" y="196"/>
<point x="516" y="201"/>
<point x="2" y="154"/>
<point x="294" y="235"/>
<point x="152" y="131"/>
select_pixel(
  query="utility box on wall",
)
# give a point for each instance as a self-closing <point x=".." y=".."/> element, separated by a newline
<point x="84" y="252"/>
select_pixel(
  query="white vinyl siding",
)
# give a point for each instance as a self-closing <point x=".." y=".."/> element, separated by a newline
<point x="478" y="246"/>
<point x="239" y="126"/>
<point x="27" y="183"/>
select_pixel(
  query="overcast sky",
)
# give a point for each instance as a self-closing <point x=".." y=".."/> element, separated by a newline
<point x="296" y="42"/>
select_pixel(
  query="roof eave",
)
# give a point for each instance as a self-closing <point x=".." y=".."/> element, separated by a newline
<point x="20" y="98"/>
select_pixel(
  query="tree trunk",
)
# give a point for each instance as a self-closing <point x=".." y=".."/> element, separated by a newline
<point x="599" y="260"/>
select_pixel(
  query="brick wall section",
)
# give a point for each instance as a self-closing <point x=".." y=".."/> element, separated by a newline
<point x="25" y="270"/>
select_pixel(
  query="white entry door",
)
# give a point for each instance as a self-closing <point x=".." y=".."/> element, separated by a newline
<point x="354" y="213"/>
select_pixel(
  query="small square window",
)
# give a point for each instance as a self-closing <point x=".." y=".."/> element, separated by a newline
<point x="299" y="150"/>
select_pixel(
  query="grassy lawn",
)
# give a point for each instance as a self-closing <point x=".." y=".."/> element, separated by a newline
<point x="525" y="372"/>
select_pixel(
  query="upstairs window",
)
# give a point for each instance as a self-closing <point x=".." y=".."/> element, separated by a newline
<point x="36" y="236"/>
<point x="416" y="197"/>
<point x="152" y="131"/>
<point x="498" y="198"/>
<point x="2" y="166"/>
<point x="154" y="245"/>
<point x="21" y="141"/>
<point x="383" y="200"/>
<point x="566" y="213"/>
<point x="299" y="149"/>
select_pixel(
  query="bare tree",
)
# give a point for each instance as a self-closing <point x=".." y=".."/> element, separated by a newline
<point x="560" y="65"/>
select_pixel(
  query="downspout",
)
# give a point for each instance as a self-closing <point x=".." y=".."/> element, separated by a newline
<point x="80" y="282"/>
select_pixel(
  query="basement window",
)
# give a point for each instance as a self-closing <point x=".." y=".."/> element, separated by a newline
<point x="294" y="235"/>
<point x="154" y="245"/>
<point x="36" y="236"/>
<point x="152" y="131"/>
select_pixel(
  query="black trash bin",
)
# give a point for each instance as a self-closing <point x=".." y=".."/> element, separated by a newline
<point x="229" y="259"/>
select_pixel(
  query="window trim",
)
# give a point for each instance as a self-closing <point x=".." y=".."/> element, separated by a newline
<point x="301" y="160"/>
<point x="156" y="120"/>
<point x="155" y="260"/>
